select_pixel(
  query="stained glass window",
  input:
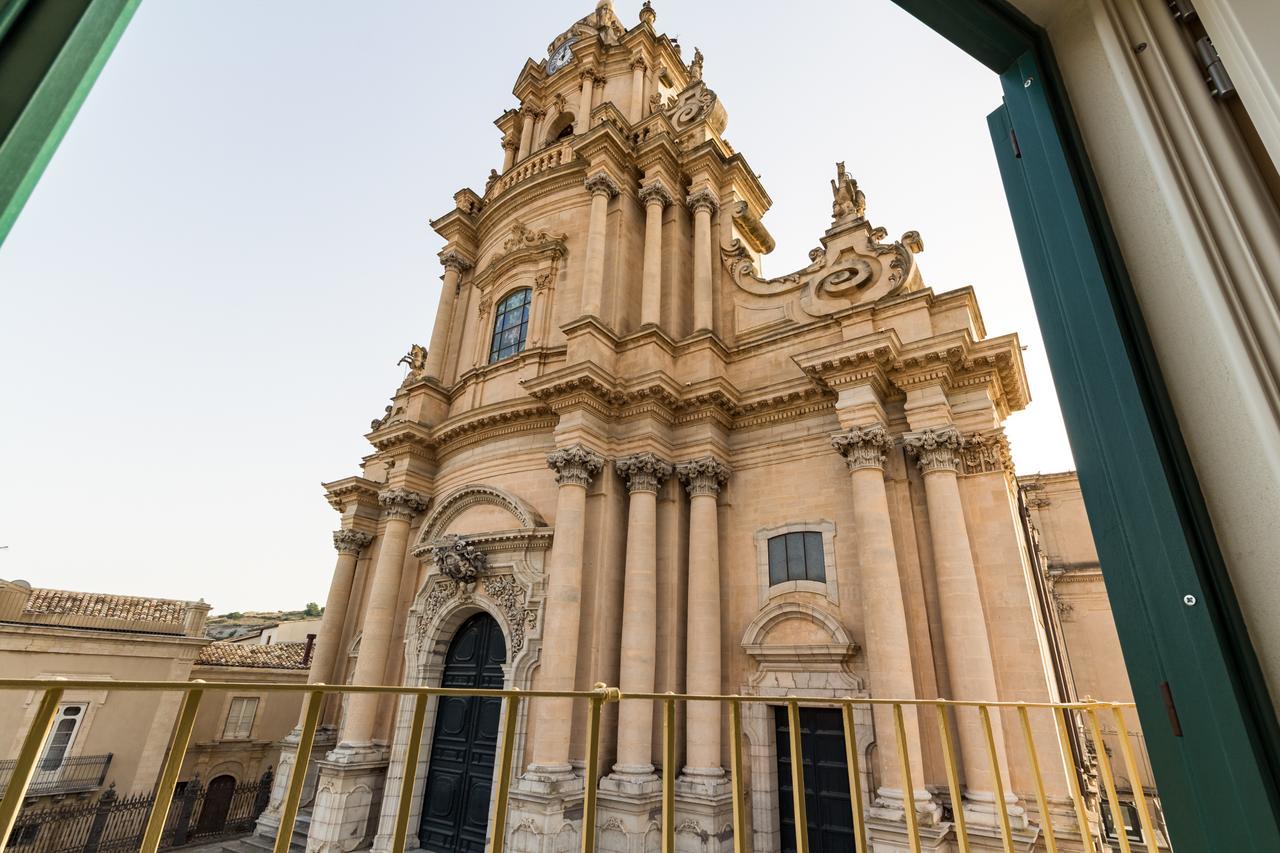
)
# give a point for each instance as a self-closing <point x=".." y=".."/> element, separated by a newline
<point x="510" y="325"/>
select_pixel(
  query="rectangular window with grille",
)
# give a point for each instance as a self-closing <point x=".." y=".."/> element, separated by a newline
<point x="240" y="718"/>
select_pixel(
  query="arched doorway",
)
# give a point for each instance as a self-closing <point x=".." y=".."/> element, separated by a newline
<point x="455" y="804"/>
<point x="217" y="803"/>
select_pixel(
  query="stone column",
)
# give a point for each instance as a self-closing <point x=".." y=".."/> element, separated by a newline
<point x="575" y="468"/>
<point x="655" y="198"/>
<point x="349" y="544"/>
<point x="509" y="146"/>
<point x="454" y="265"/>
<point x="702" y="203"/>
<point x="526" y="132"/>
<point x="602" y="188"/>
<point x="399" y="506"/>
<point x="964" y="626"/>
<point x="636" y="112"/>
<point x="703" y="479"/>
<point x="582" y="120"/>
<point x="886" y="639"/>
<point x="644" y="473"/>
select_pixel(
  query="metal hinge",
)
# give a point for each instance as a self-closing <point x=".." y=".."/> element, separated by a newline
<point x="1220" y="85"/>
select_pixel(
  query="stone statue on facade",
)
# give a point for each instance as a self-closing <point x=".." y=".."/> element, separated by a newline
<point x="849" y="202"/>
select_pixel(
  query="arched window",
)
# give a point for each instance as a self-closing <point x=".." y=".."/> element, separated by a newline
<point x="510" y="325"/>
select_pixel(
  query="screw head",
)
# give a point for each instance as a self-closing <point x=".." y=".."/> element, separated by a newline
<point x="1026" y="84"/>
<point x="1189" y="600"/>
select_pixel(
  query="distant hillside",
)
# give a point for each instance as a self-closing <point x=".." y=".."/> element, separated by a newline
<point x="226" y="626"/>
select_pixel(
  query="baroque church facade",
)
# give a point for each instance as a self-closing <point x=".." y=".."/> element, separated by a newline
<point x="627" y="457"/>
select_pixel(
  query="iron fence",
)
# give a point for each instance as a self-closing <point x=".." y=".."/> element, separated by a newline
<point x="74" y="774"/>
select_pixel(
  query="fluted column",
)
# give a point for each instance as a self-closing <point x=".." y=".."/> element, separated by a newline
<point x="399" y="506"/>
<point x="703" y="479"/>
<point x="884" y="610"/>
<point x="964" y="627"/>
<point x="644" y="473"/>
<point x="702" y="203"/>
<point x="655" y="198"/>
<point x="602" y="188"/>
<point x="575" y="468"/>
<point x="509" y="146"/>
<point x="527" y="114"/>
<point x="581" y="121"/>
<point x="636" y="112"/>
<point x="454" y="265"/>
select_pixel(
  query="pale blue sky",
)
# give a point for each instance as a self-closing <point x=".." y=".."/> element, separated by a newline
<point x="207" y="294"/>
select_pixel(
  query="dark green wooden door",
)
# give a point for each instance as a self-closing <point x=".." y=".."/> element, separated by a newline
<point x="826" y="781"/>
<point x="455" y="806"/>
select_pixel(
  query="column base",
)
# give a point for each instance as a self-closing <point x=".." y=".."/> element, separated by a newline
<point x="351" y="781"/>
<point x="888" y="805"/>
<point x="980" y="810"/>
<point x="545" y="812"/>
<point x="890" y="836"/>
<point x="704" y="811"/>
<point x="629" y="816"/>
<point x="632" y="780"/>
<point x="268" y="824"/>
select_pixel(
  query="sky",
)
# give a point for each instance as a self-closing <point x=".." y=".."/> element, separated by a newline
<point x="206" y="297"/>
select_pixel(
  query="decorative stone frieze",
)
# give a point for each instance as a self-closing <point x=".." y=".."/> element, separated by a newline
<point x="601" y="184"/>
<point x="702" y="199"/>
<point x="863" y="447"/>
<point x="655" y="192"/>
<point x="402" y="503"/>
<point x="458" y="558"/>
<point x="452" y="260"/>
<point x="576" y="465"/>
<point x="703" y="476"/>
<point x="985" y="452"/>
<point x="644" y="472"/>
<point x="934" y="449"/>
<point x="350" y="541"/>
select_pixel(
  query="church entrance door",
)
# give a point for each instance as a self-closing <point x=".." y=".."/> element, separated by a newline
<point x="455" y="806"/>
<point x="826" y="781"/>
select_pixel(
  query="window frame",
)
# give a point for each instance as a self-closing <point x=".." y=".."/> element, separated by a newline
<point x="253" y="718"/>
<point x="77" y="725"/>
<point x="499" y="313"/>
<point x="829" y="588"/>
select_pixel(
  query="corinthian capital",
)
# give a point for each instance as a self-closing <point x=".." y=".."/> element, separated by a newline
<point x="601" y="184"/>
<point x="863" y="447"/>
<point x="703" y="476"/>
<point x="655" y="193"/>
<point x="402" y="503"/>
<point x="644" y="471"/>
<point x="452" y="260"/>
<point x="350" y="541"/>
<point x="934" y="449"/>
<point x="575" y="465"/>
<point x="703" y="199"/>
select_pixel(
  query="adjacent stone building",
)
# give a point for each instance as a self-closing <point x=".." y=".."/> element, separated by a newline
<point x="628" y="457"/>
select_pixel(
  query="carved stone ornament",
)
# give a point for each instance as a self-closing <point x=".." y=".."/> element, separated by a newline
<point x="402" y="503"/>
<point x="848" y="201"/>
<point x="524" y="237"/>
<point x="601" y="184"/>
<point x="863" y="447"/>
<point x="543" y="280"/>
<point x="703" y="476"/>
<point x="482" y="308"/>
<point x="703" y="198"/>
<point x="985" y="452"/>
<point x="457" y="558"/>
<point x="934" y="449"/>
<point x="350" y="541"/>
<point x="575" y="465"/>
<point x="452" y="260"/>
<point x="695" y="104"/>
<point x="510" y="598"/>
<point x="644" y="472"/>
<point x="655" y="193"/>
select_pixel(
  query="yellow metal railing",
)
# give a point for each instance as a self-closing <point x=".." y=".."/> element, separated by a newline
<point x="945" y="712"/>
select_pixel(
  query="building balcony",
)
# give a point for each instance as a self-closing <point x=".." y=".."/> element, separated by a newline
<point x="73" y="775"/>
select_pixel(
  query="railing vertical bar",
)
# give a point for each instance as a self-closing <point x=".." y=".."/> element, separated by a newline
<point x="24" y="765"/>
<point x="1046" y="820"/>
<point x="668" y="776"/>
<point x="798" y="811"/>
<point x="590" y="780"/>
<point x="740" y="844"/>
<point x="1061" y="717"/>
<point x="855" y="777"/>
<point x="1002" y="810"/>
<point x="953" y="778"/>
<point x="401" y="832"/>
<point x="298" y="776"/>
<point x="1135" y="781"/>
<point x="172" y="767"/>
<point x="1108" y="779"/>
<point x="908" y="788"/>
<point x="509" y="722"/>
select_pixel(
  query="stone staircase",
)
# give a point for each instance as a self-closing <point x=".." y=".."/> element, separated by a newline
<point x="259" y="844"/>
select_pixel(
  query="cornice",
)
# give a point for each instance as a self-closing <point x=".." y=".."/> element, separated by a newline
<point x="342" y="493"/>
<point x="457" y="434"/>
<point x="400" y="435"/>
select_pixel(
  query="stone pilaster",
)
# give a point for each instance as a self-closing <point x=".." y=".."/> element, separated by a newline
<point x="602" y="188"/>
<point x="582" y="121"/>
<point x="655" y="198"/>
<point x="636" y="111"/>
<point x="454" y="265"/>
<point x="702" y="203"/>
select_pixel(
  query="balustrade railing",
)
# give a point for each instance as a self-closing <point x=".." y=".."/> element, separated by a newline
<point x="536" y="163"/>
<point x="72" y="774"/>
<point x="1044" y="738"/>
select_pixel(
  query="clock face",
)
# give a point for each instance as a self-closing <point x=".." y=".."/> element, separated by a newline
<point x="560" y="58"/>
